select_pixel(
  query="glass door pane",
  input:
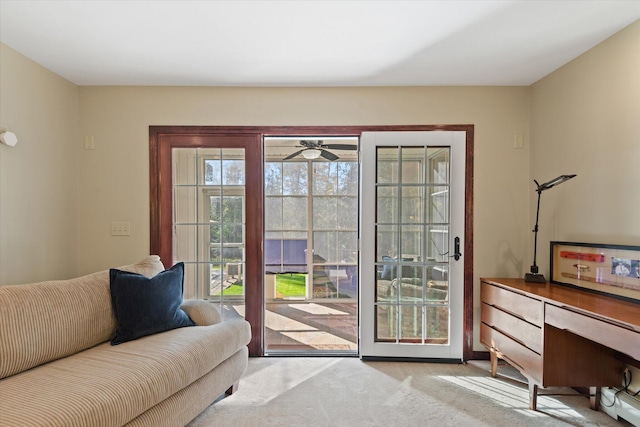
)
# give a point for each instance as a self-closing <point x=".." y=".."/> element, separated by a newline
<point x="411" y="240"/>
<point x="311" y="248"/>
<point x="408" y="305"/>
<point x="209" y="222"/>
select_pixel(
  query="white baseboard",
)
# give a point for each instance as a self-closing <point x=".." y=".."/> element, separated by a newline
<point x="625" y="406"/>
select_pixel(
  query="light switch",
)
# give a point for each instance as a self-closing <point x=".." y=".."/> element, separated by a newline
<point x="89" y="143"/>
<point x="518" y="141"/>
<point x="120" y="228"/>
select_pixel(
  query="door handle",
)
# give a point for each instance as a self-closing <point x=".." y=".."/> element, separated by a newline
<point x="456" y="248"/>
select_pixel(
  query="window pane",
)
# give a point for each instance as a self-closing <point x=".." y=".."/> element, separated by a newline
<point x="324" y="244"/>
<point x="272" y="178"/>
<point x="438" y="245"/>
<point x="412" y="161"/>
<point x="233" y="172"/>
<point x="294" y="213"/>
<point x="439" y="162"/>
<point x="347" y="178"/>
<point x="387" y="241"/>
<point x="386" y="323"/>
<point x="295" y="181"/>
<point x="347" y="213"/>
<point x="325" y="178"/>
<point x="412" y="202"/>
<point x="411" y="237"/>
<point x="324" y="212"/>
<point x="273" y="213"/>
<point x="411" y="323"/>
<point x="387" y="204"/>
<point x="185" y="204"/>
<point x="232" y="233"/>
<point x="185" y="242"/>
<point x="232" y="209"/>
<point x="437" y="324"/>
<point x="184" y="166"/>
<point x="347" y="249"/>
<point x="387" y="165"/>
<point x="212" y="172"/>
<point x="232" y="254"/>
<point x="438" y="210"/>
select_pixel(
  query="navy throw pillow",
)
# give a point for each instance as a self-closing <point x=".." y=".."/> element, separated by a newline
<point x="144" y="306"/>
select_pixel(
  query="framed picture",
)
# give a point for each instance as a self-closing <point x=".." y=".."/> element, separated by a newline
<point x="602" y="268"/>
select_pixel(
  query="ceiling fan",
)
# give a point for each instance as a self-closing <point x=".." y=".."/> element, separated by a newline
<point x="314" y="149"/>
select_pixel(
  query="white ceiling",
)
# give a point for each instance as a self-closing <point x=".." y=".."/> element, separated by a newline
<point x="308" y="43"/>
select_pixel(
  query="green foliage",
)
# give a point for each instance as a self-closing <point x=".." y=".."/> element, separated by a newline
<point x="235" y="289"/>
<point x="290" y="285"/>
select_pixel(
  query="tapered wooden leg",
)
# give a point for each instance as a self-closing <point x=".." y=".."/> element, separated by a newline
<point x="533" y="396"/>
<point x="493" y="357"/>
<point x="232" y="389"/>
<point x="594" y="398"/>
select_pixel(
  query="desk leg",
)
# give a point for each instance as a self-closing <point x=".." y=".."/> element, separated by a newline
<point x="594" y="398"/>
<point x="533" y="396"/>
<point x="493" y="357"/>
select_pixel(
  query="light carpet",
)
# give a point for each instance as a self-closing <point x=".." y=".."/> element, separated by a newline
<point x="350" y="392"/>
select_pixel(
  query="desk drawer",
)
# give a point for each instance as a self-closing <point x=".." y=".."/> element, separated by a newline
<point x="529" y="309"/>
<point x="514" y="327"/>
<point x="599" y="330"/>
<point x="520" y="357"/>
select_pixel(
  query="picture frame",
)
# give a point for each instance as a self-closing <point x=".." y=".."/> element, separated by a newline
<point x="608" y="269"/>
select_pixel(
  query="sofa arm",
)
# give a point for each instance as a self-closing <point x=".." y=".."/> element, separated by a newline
<point x="202" y="312"/>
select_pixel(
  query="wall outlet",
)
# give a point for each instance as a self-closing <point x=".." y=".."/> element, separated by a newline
<point x="120" y="228"/>
<point x="518" y="141"/>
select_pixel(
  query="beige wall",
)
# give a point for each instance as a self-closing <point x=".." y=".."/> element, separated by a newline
<point x="114" y="177"/>
<point x="585" y="119"/>
<point x="38" y="177"/>
<point x="581" y="115"/>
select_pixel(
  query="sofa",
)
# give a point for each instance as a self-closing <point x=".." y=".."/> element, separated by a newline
<point x="60" y="367"/>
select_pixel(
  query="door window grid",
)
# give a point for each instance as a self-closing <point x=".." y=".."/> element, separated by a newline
<point x="209" y="221"/>
<point x="334" y="191"/>
<point x="409" y="305"/>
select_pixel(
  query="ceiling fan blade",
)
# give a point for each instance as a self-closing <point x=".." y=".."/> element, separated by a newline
<point x="310" y="143"/>
<point x="340" y="146"/>
<point x="291" y="156"/>
<point x="328" y="155"/>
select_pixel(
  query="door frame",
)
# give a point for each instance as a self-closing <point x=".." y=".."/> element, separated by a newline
<point x="163" y="138"/>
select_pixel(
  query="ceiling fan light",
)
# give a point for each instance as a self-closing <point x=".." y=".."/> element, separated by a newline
<point x="311" y="153"/>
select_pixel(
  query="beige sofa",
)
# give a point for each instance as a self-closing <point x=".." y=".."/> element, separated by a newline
<point x="58" y="368"/>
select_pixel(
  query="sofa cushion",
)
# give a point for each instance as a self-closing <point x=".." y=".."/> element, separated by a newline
<point x="111" y="385"/>
<point x="45" y="321"/>
<point x="202" y="312"/>
<point x="145" y="306"/>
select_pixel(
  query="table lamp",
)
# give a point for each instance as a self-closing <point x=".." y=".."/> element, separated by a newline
<point x="534" y="276"/>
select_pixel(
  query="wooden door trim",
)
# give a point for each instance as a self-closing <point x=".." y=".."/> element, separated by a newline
<point x="161" y="208"/>
<point x="158" y="172"/>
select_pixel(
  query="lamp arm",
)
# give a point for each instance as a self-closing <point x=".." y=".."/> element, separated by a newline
<point x="534" y="267"/>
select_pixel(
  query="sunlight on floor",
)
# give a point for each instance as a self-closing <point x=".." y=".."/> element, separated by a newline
<point x="278" y="322"/>
<point x="275" y="380"/>
<point x="318" y="309"/>
<point x="513" y="396"/>
<point x="320" y="340"/>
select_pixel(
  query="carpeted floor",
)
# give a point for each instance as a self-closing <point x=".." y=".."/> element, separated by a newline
<point x="349" y="392"/>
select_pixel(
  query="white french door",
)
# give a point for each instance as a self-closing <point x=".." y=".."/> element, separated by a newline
<point x="411" y="238"/>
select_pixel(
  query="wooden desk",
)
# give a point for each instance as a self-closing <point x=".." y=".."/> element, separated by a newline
<point x="557" y="335"/>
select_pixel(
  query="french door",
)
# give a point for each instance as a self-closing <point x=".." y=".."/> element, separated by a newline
<point x="206" y="205"/>
<point x="412" y="239"/>
<point x="238" y="256"/>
